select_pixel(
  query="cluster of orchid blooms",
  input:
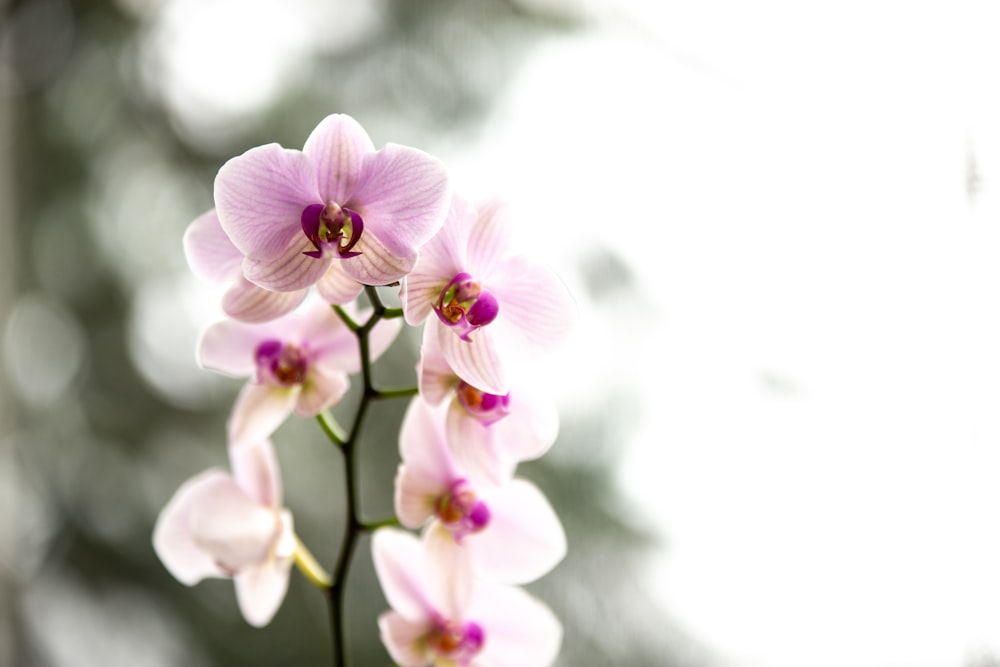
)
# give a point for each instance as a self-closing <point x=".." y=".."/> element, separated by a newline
<point x="295" y="237"/>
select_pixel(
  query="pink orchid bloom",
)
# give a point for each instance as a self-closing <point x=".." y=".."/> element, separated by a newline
<point x="298" y="362"/>
<point x="491" y="305"/>
<point x="488" y="434"/>
<point x="509" y="533"/>
<point x="221" y="524"/>
<point x="444" y="618"/>
<point x="213" y="258"/>
<point x="338" y="201"/>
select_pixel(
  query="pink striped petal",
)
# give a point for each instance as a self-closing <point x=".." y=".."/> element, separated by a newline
<point x="533" y="300"/>
<point x="173" y="541"/>
<point x="247" y="302"/>
<point x="290" y="269"/>
<point x="259" y="410"/>
<point x="405" y="640"/>
<point x="520" y="630"/>
<point x="209" y="252"/>
<point x="338" y="147"/>
<point x="376" y="264"/>
<point x="418" y="292"/>
<point x="478" y="361"/>
<point x="403" y="196"/>
<point x="260" y="195"/>
<point x="337" y="287"/>
<point x="491" y="239"/>
<point x="524" y="539"/>
<point x="255" y="471"/>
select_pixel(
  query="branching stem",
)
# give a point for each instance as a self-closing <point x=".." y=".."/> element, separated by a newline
<point x="354" y="526"/>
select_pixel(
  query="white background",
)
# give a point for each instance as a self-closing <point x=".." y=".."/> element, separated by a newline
<point x="807" y="195"/>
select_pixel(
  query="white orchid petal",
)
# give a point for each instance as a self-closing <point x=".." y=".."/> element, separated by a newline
<point x="524" y="539"/>
<point x="260" y="408"/>
<point x="173" y="541"/>
<point x="399" y="564"/>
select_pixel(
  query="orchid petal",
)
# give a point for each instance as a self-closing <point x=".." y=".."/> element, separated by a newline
<point x="255" y="471"/>
<point x="435" y="378"/>
<point x="260" y="195"/>
<point x="382" y="336"/>
<point x="449" y="571"/>
<point x="336" y="286"/>
<point x="534" y="300"/>
<point x="440" y="260"/>
<point x="259" y="410"/>
<point x="209" y="252"/>
<point x="248" y="302"/>
<point x="418" y="293"/>
<point x="422" y="442"/>
<point x="478" y="361"/>
<point x="228" y="347"/>
<point x="521" y="631"/>
<point x="172" y="538"/>
<point x="233" y="527"/>
<point x="326" y="333"/>
<point x="376" y="264"/>
<point x="405" y="639"/>
<point x="531" y="427"/>
<point x="289" y="270"/>
<point x="416" y="492"/>
<point x="403" y="195"/>
<point x="399" y="564"/>
<point x="524" y="539"/>
<point x="338" y="147"/>
<point x="321" y="390"/>
<point x="261" y="589"/>
<point x="476" y="448"/>
<point x="491" y="239"/>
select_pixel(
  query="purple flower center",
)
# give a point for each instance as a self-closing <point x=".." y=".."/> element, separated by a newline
<point x="461" y="512"/>
<point x="458" y="642"/>
<point x="280" y="363"/>
<point x="465" y="306"/>
<point x="331" y="227"/>
<point x="487" y="408"/>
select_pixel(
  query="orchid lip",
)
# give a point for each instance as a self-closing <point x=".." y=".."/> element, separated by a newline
<point x="464" y="305"/>
<point x="461" y="512"/>
<point x="280" y="363"/>
<point x="485" y="407"/>
<point x="458" y="642"/>
<point x="331" y="228"/>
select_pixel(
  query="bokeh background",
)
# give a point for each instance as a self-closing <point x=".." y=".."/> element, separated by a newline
<point x="780" y="441"/>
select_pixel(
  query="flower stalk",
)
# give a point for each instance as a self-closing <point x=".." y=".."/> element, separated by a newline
<point x="354" y="526"/>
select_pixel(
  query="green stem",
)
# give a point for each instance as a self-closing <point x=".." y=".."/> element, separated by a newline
<point x="354" y="527"/>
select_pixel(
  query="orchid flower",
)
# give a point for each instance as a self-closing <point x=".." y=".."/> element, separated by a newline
<point x="298" y="362"/>
<point x="491" y="304"/>
<point x="336" y="203"/>
<point x="444" y="618"/>
<point x="221" y="524"/>
<point x="213" y="258"/>
<point x="488" y="434"/>
<point x="510" y="533"/>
